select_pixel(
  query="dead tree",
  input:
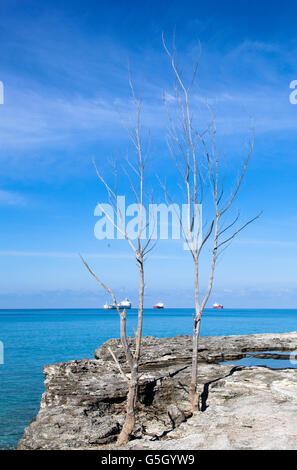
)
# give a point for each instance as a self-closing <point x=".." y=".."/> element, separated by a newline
<point x="197" y="159"/>
<point x="140" y="247"/>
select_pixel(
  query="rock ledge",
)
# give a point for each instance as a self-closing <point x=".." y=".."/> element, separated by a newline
<point x="242" y="407"/>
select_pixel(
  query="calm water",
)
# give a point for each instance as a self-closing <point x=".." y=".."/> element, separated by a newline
<point x="251" y="360"/>
<point x="33" y="338"/>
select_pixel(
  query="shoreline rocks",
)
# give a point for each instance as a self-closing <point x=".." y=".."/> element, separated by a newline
<point x="156" y="351"/>
<point x="84" y="402"/>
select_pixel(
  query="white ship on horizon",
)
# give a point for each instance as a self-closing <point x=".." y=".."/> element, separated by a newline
<point x="159" y="305"/>
<point x="123" y="304"/>
<point x="218" y="306"/>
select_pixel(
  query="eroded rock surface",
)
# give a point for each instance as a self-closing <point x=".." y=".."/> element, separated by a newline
<point x="250" y="408"/>
<point x="211" y="348"/>
<point x="84" y="403"/>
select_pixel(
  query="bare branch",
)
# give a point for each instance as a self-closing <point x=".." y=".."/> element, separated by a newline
<point x="229" y="226"/>
<point x="110" y="292"/>
<point x="118" y="365"/>
<point x="235" y="191"/>
<point x="240" y="229"/>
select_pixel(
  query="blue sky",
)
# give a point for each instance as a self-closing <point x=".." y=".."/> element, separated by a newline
<point x="64" y="69"/>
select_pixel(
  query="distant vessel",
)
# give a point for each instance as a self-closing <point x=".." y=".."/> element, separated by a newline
<point x="159" y="305"/>
<point x="124" y="304"/>
<point x="219" y="306"/>
<point x="109" y="306"/>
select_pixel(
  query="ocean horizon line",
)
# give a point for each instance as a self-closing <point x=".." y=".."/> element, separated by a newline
<point x="146" y="308"/>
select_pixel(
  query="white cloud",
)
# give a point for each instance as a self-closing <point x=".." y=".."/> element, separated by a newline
<point x="61" y="254"/>
<point x="11" y="198"/>
<point x="255" y="47"/>
<point x="65" y="254"/>
<point x="267" y="242"/>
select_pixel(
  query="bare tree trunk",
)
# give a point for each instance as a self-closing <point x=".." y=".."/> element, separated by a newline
<point x="133" y="383"/>
<point x="140" y="307"/>
<point x="133" y="362"/>
<point x="193" y="396"/>
<point x="130" y="409"/>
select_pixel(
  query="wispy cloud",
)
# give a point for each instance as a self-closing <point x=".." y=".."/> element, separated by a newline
<point x="65" y="254"/>
<point x="267" y="242"/>
<point x="254" y="47"/>
<point x="11" y="198"/>
<point x="38" y="115"/>
<point x="61" y="254"/>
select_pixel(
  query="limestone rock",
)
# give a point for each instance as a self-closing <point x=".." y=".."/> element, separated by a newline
<point x="251" y="408"/>
<point x="84" y="402"/>
<point x="156" y="351"/>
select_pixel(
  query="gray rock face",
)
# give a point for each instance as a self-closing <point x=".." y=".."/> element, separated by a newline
<point x="250" y="408"/>
<point x="84" y="403"/>
<point x="156" y="351"/>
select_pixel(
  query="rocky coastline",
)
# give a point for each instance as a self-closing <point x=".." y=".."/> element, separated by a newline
<point x="241" y="407"/>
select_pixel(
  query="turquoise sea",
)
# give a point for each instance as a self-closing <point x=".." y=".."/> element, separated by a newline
<point x="33" y="338"/>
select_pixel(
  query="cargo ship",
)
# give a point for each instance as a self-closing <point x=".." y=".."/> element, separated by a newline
<point x="124" y="304"/>
<point x="159" y="305"/>
<point x="217" y="306"/>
